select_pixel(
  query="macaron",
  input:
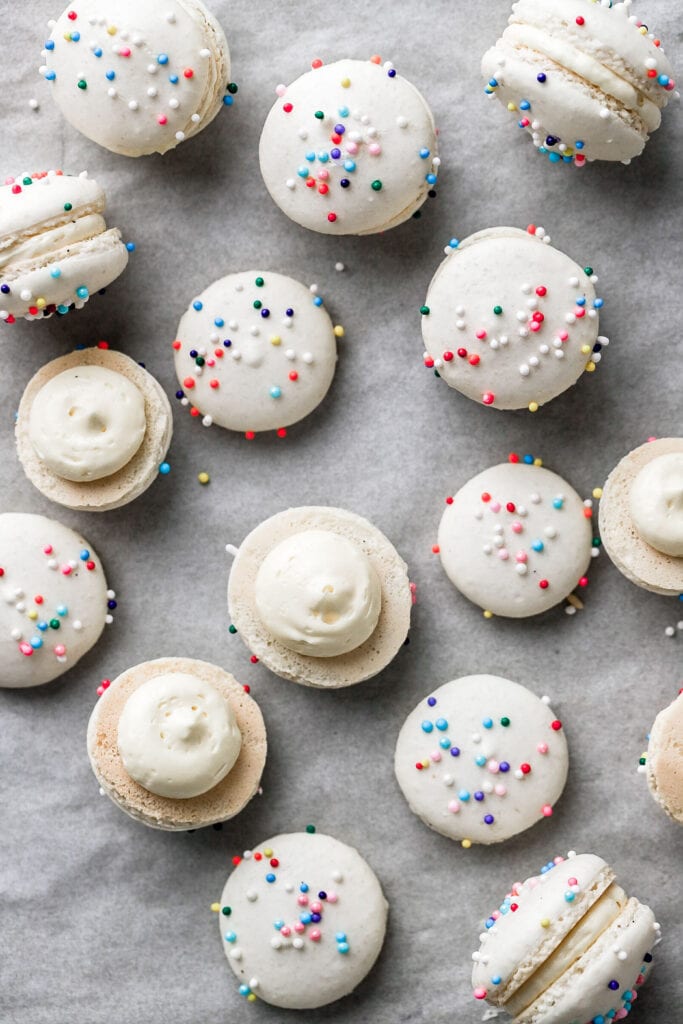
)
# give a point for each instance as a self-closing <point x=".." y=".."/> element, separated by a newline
<point x="663" y="763"/>
<point x="349" y="148"/>
<point x="320" y="596"/>
<point x="255" y="351"/>
<point x="566" y="945"/>
<point x="516" y="539"/>
<point x="481" y="759"/>
<point x="641" y="516"/>
<point x="526" y="319"/>
<point x="587" y="81"/>
<point x="92" y="429"/>
<point x="177" y="743"/>
<point x="138" y="78"/>
<point x="54" y="599"/>
<point x="302" y="920"/>
<point x="55" y="248"/>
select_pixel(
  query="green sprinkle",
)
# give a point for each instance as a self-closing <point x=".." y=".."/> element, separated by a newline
<point x="505" y="721"/>
<point x="232" y="629"/>
<point x="227" y="911"/>
<point x="54" y="623"/>
<point x="642" y="760"/>
<point x="424" y="310"/>
<point x="596" y="542"/>
<point x="497" y="310"/>
<point x="200" y="360"/>
<point x="310" y="829"/>
<point x="27" y="181"/>
<point x="232" y="88"/>
<point x="377" y="185"/>
<point x="82" y="84"/>
<point x="68" y="207"/>
<point x="257" y="304"/>
<point x="319" y="114"/>
<point x="436" y="373"/>
<point x="588" y="271"/>
<point x="259" y="282"/>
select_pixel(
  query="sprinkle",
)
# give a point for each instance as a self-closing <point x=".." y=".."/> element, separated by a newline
<point x="203" y="478"/>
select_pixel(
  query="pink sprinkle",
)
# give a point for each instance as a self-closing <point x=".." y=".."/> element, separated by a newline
<point x="481" y="334"/>
<point x="323" y="175"/>
<point x="124" y="51"/>
<point x="60" y="650"/>
<point x="280" y="90"/>
<point x="352" y="148"/>
<point x="620" y="1014"/>
<point x="572" y="881"/>
<point x="299" y="927"/>
<point x="100" y="691"/>
<point x="495" y="506"/>
<point x="302" y="900"/>
<point x="162" y="119"/>
<point x="558" y="860"/>
<point x="500" y="789"/>
<point x="521" y="556"/>
<point x="374" y="149"/>
<point x="525" y="122"/>
<point x="495" y="914"/>
<point x="579" y="312"/>
<point x="435" y="756"/>
<point x="503" y="554"/>
<point x="453" y="806"/>
<point x="534" y="326"/>
<point x="479" y="993"/>
<point x="517" y="526"/>
<point x="493" y="767"/>
<point x="316" y="908"/>
<point x="315" y="935"/>
<point x="332" y="897"/>
<point x="66" y="570"/>
<point x="547" y="811"/>
<point x="26" y="649"/>
<point x="542" y="748"/>
<point x="563" y="335"/>
<point x="286" y="931"/>
<point x="47" y="550"/>
<point x="210" y="362"/>
<point x="9" y="181"/>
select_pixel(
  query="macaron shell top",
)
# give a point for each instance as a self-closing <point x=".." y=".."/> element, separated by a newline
<point x="576" y="76"/>
<point x="664" y="766"/>
<point x="481" y="759"/>
<point x="55" y="249"/>
<point x="637" y="560"/>
<point x="547" y="907"/>
<point x="305" y="920"/>
<point x="138" y="78"/>
<point x="53" y="599"/>
<point x="255" y="351"/>
<point x="349" y="148"/>
<point x="525" y="317"/>
<point x="515" y="539"/>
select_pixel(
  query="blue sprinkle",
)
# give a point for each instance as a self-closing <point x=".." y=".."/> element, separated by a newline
<point x="488" y="819"/>
<point x="36" y="642"/>
<point x="581" y="301"/>
<point x="303" y="887"/>
<point x="82" y="292"/>
<point x="554" y="158"/>
<point x="441" y="724"/>
<point x="305" y="918"/>
<point x="454" y="243"/>
<point x="598" y="303"/>
<point x="110" y="75"/>
<point x="343" y="112"/>
<point x="490" y="921"/>
<point x="50" y="76"/>
<point x="335" y="153"/>
<point x="75" y="37"/>
<point x="277" y="925"/>
<point x="244" y="990"/>
<point x="391" y="73"/>
<point x="162" y="58"/>
<point x="444" y="743"/>
<point x="496" y="979"/>
<point x="349" y="165"/>
<point x="340" y="937"/>
<point x="97" y="51"/>
<point x="463" y="795"/>
<point x="62" y="610"/>
<point x="302" y="172"/>
<point x="579" y="144"/>
<point x="528" y="459"/>
<point x="50" y="44"/>
<point x="537" y="545"/>
<point x="524" y="105"/>
<point x="424" y="153"/>
<point x="219" y="322"/>
<point x="230" y="936"/>
<point x="227" y="343"/>
<point x="504" y="766"/>
<point x="431" y="701"/>
<point x="270" y="877"/>
<point x="84" y="555"/>
<point x="55" y="272"/>
<point x="62" y="309"/>
<point x="165" y="468"/>
<point x="487" y="723"/>
<point x="42" y="626"/>
<point x="427" y="726"/>
<point x="342" y="947"/>
<point x="493" y="82"/>
<point x="430" y="179"/>
<point x="275" y="392"/>
<point x="310" y="157"/>
<point x="323" y="157"/>
<point x="541" y="77"/>
<point x="130" y="246"/>
<point x="173" y="79"/>
<point x="455" y="751"/>
<point x="480" y="760"/>
<point x="197" y="305"/>
<point x="228" y="100"/>
<point x="479" y="796"/>
<point x="663" y="79"/>
<point x="558" y="502"/>
<point x="317" y="301"/>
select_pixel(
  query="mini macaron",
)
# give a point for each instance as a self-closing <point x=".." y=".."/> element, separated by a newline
<point x="526" y="319"/>
<point x="663" y="763"/>
<point x="177" y="743"/>
<point x="255" y="351"/>
<point x="641" y="516"/>
<point x="55" y="248"/>
<point x="587" y="80"/>
<point x="516" y="539"/>
<point x="92" y="429"/>
<point x="566" y="945"/>
<point x="320" y="596"/>
<point x="349" y="148"/>
<point x="54" y="600"/>
<point x="481" y="759"/>
<point x="138" y="78"/>
<point x="302" y="920"/>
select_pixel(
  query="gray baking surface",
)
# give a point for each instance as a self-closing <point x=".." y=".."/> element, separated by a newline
<point x="108" y="922"/>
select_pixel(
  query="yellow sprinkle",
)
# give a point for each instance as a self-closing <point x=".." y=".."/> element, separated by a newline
<point x="275" y="340"/>
<point x="466" y="843"/>
<point x="590" y="366"/>
<point x="512" y="106"/>
<point x="67" y="36"/>
<point x="251" y="998"/>
<point x="488" y="614"/>
<point x="41" y="303"/>
<point x="642" y="30"/>
<point x="339" y="331"/>
<point x="346" y="82"/>
<point x="33" y="614"/>
<point x="538" y="462"/>
<point x="215" y="907"/>
<point x="545" y="922"/>
<point x="425" y="763"/>
<point x="575" y="602"/>
<point x="268" y="853"/>
<point x="533" y="406"/>
<point x="203" y="478"/>
<point x="597" y="492"/>
<point x="585" y="350"/>
<point x="112" y="30"/>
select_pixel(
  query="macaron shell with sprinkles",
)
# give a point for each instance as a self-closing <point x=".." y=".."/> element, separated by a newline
<point x="330" y="672"/>
<point x="255" y="351"/>
<point x="637" y="560"/>
<point x="302" y="920"/>
<point x="131" y="480"/>
<point x="664" y="765"/>
<point x="224" y="800"/>
<point x="515" y="539"/>
<point x="54" y="600"/>
<point x="510" y="321"/>
<point x="587" y="81"/>
<point x="349" y="148"/>
<point x="55" y="249"/>
<point x="481" y="759"/>
<point x="138" y="78"/>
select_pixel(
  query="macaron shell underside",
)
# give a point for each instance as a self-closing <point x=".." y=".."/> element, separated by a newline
<point x="665" y="759"/>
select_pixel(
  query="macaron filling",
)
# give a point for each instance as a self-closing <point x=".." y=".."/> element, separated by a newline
<point x="656" y="503"/>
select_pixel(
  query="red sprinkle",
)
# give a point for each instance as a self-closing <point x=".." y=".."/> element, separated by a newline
<point x="287" y="107"/>
<point x="435" y="549"/>
<point x="246" y="688"/>
<point x="258" y="856"/>
<point x="513" y="457"/>
<point x="253" y="659"/>
<point x="177" y="345"/>
<point x="462" y="352"/>
<point x="188" y="383"/>
<point x="281" y="432"/>
<point x="473" y="360"/>
<point x="556" y="725"/>
<point x="583" y="582"/>
<point x="188" y="72"/>
<point x="541" y="290"/>
<point x="511" y="506"/>
<point x="274" y="862"/>
<point x="448" y="356"/>
<point x="488" y="398"/>
<point x="250" y="435"/>
<point x="486" y="496"/>
<point x="236" y="860"/>
<point x="214" y="383"/>
<point x="580" y="20"/>
<point x="525" y="768"/>
<point x="332" y="217"/>
<point x="543" y="584"/>
<point x="72" y="15"/>
<point x="449" y="500"/>
<point x="317" y="63"/>
<point x="293" y="375"/>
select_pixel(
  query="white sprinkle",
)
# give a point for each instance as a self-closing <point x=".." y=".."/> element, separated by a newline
<point x="524" y="370"/>
<point x="174" y="103"/>
<point x="152" y="92"/>
<point x="204" y="52"/>
<point x="339" y="267"/>
<point x="236" y="954"/>
<point x="180" y="136"/>
<point x="152" y="69"/>
<point x="290" y="183"/>
<point x="402" y="122"/>
<point x="307" y="357"/>
<point x="170" y="18"/>
<point x="604" y="113"/>
<point x="33" y="104"/>
<point x="133" y="105"/>
<point x="276" y="943"/>
<point x="670" y="631"/>
<point x="195" y="118"/>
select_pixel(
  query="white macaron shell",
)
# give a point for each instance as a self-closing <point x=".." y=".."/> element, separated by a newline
<point x="518" y="359"/>
<point x="318" y="593"/>
<point x="87" y="423"/>
<point x="152" y="72"/>
<point x="460" y="736"/>
<point x="41" y="558"/>
<point x="657" y="503"/>
<point x="388" y="137"/>
<point x="177" y="736"/>
<point x="288" y="966"/>
<point x="263" y="369"/>
<point x="521" y="560"/>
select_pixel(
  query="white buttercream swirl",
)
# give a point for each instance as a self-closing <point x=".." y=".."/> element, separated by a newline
<point x="656" y="500"/>
<point x="318" y="593"/>
<point x="177" y="736"/>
